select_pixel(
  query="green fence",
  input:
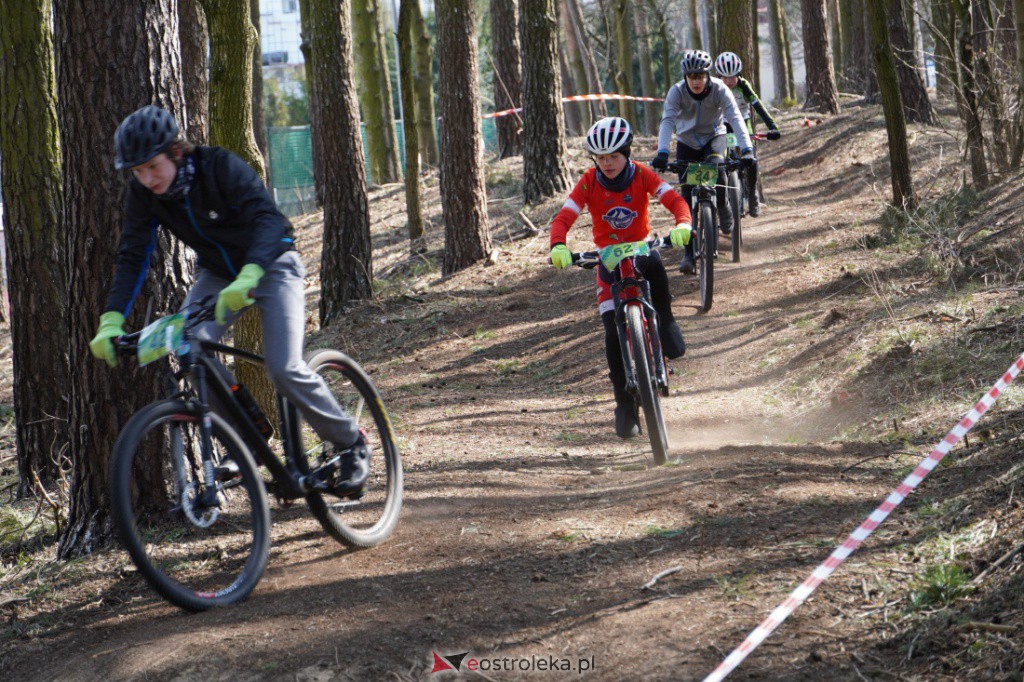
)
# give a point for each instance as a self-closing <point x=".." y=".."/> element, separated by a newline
<point x="291" y="164"/>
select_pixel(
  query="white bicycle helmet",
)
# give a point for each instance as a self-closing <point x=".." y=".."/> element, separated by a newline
<point x="608" y="136"/>
<point x="728" y="64"/>
<point x="696" y="61"/>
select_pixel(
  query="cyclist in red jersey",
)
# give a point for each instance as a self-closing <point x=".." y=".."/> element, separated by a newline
<point x="616" y="193"/>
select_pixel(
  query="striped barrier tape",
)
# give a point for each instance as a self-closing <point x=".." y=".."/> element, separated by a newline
<point x="823" y="571"/>
<point x="579" y="98"/>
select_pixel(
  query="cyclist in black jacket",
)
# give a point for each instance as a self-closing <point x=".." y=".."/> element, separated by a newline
<point x="216" y="203"/>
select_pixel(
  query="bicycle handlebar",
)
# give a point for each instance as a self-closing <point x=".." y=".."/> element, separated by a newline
<point x="591" y="259"/>
<point x="202" y="310"/>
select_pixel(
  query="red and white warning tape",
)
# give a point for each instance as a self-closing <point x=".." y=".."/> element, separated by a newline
<point x="822" y="572"/>
<point x="579" y="98"/>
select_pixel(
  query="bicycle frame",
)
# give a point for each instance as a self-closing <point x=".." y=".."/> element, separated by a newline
<point x="628" y="288"/>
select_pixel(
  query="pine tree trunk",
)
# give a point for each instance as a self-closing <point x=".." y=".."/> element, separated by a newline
<point x="507" y="80"/>
<point x="623" y="75"/>
<point x="665" y="50"/>
<point x="1018" y="18"/>
<point x="870" y="82"/>
<point x="375" y="92"/>
<point x="142" y="39"/>
<point x="821" y="84"/>
<point x="414" y="214"/>
<point x="652" y="112"/>
<point x="544" y="169"/>
<point x="259" y="123"/>
<point x="711" y="16"/>
<point x="570" y="110"/>
<point x="754" y="70"/>
<point x="967" y="95"/>
<point x="467" y="236"/>
<point x="903" y="196"/>
<point x="916" y="106"/>
<point x="780" y="72"/>
<point x="735" y="31"/>
<point x="425" y="90"/>
<point x="309" y="66"/>
<point x="598" y="108"/>
<point x="346" y="268"/>
<point x="945" y="62"/>
<point x="232" y="39"/>
<point x="854" y="57"/>
<point x="31" y="182"/>
<point x="989" y="86"/>
<point x="194" y="40"/>
<point x="836" y="38"/>
<point x="696" y="41"/>
<point x="790" y="74"/>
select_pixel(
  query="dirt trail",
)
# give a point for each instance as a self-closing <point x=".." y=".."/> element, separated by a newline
<point x="528" y="528"/>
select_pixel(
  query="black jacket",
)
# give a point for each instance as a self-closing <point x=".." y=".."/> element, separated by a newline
<point x="228" y="218"/>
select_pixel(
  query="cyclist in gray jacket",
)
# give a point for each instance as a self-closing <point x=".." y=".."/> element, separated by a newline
<point x="696" y="109"/>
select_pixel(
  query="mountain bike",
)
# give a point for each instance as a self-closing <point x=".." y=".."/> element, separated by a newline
<point x="637" y="323"/>
<point x="187" y="499"/>
<point x="702" y="179"/>
<point x="736" y="183"/>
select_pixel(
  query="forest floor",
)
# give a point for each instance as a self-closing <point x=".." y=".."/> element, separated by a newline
<point x="837" y="353"/>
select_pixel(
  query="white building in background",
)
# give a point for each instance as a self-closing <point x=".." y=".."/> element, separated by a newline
<point x="280" y="32"/>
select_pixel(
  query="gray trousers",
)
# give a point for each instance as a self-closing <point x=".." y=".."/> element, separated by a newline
<point x="281" y="299"/>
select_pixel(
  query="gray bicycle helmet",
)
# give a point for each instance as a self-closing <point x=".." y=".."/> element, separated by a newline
<point x="696" y="61"/>
<point x="142" y="135"/>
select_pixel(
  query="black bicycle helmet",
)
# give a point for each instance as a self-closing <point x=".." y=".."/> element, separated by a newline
<point x="142" y="135"/>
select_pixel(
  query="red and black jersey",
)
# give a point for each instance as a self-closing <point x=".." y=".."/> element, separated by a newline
<point x="619" y="217"/>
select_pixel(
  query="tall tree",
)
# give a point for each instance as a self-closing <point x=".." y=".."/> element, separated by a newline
<point x="195" y="39"/>
<point x="967" y="92"/>
<point x="1018" y="11"/>
<point x="467" y="236"/>
<point x="711" y="21"/>
<point x="315" y="139"/>
<point x="851" y="26"/>
<point x="696" y="40"/>
<point x="31" y="182"/>
<point x="232" y="41"/>
<point x="375" y="91"/>
<point x="570" y="110"/>
<point x="544" y="169"/>
<point x="941" y="28"/>
<point x="414" y="213"/>
<point x="346" y="269"/>
<point x="623" y="74"/>
<point x="652" y="114"/>
<point x="142" y="39"/>
<point x="575" y="26"/>
<point x="879" y="16"/>
<point x="916" y="106"/>
<point x="259" y="122"/>
<point x="754" y="70"/>
<point x="425" y="90"/>
<point x="821" y="83"/>
<point x="788" y="51"/>
<point x="507" y="81"/>
<point x="780" y="71"/>
<point x="664" y="44"/>
<point x="835" y="24"/>
<point x="735" y="30"/>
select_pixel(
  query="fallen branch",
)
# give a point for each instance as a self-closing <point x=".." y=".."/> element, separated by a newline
<point x="669" y="571"/>
<point x="998" y="562"/>
<point x="988" y="627"/>
<point x="529" y="223"/>
<point x="10" y="601"/>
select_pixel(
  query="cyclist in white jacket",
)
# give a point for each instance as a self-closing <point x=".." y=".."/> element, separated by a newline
<point x="696" y="109"/>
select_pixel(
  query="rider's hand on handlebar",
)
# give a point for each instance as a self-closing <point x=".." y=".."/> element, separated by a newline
<point x="561" y="256"/>
<point x="774" y="134"/>
<point x="680" y="235"/>
<point x="660" y="162"/>
<point x="235" y="296"/>
<point x="102" y="345"/>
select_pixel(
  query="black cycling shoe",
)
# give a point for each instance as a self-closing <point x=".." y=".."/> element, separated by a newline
<point x="672" y="344"/>
<point x="726" y="229"/>
<point x="687" y="267"/>
<point x="354" y="468"/>
<point x="627" y="425"/>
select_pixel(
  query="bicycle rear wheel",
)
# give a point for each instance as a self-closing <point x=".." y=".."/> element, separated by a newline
<point x="736" y="203"/>
<point x="194" y="557"/>
<point x="640" y="348"/>
<point x="369" y="520"/>
<point x="706" y="266"/>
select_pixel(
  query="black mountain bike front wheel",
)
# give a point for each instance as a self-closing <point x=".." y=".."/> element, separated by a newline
<point x="736" y="204"/>
<point x="706" y="257"/>
<point x="369" y="520"/>
<point x="195" y="557"/>
<point x="643" y="362"/>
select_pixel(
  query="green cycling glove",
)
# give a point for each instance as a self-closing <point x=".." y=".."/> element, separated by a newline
<point x="680" y="235"/>
<point x="235" y="296"/>
<point x="110" y="328"/>
<point x="561" y="256"/>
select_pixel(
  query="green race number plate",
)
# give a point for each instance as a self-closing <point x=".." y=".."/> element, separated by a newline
<point x="730" y="140"/>
<point x="613" y="254"/>
<point x="701" y="174"/>
<point x="161" y="338"/>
